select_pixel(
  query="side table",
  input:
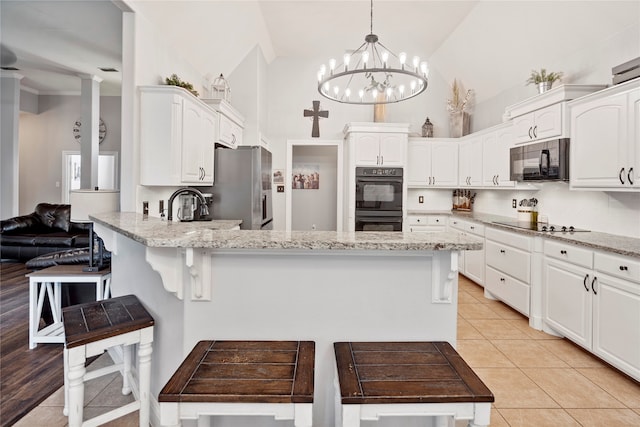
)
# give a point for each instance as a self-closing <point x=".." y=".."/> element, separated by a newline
<point x="48" y="282"/>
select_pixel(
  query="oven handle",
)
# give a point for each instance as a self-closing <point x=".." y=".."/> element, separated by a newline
<point x="379" y="219"/>
<point x="379" y="180"/>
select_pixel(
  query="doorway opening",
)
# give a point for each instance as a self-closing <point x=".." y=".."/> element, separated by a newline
<point x="107" y="172"/>
<point x="313" y="185"/>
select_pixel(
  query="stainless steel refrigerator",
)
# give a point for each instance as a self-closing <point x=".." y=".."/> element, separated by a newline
<point x="242" y="186"/>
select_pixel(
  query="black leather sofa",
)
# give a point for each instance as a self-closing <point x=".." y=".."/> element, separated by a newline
<point x="48" y="229"/>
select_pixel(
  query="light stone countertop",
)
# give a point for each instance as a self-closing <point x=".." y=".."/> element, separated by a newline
<point x="622" y="245"/>
<point x="153" y="232"/>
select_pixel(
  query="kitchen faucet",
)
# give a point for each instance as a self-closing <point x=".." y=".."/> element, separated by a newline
<point x="204" y="209"/>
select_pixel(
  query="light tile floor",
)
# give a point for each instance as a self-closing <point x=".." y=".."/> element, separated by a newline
<point x="538" y="380"/>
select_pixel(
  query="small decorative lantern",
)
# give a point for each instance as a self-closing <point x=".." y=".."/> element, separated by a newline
<point x="220" y="89"/>
<point x="427" y="129"/>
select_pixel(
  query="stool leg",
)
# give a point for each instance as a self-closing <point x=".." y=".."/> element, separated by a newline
<point x="65" y="361"/>
<point x="75" y="377"/>
<point x="34" y="314"/>
<point x="350" y="416"/>
<point x="126" y="368"/>
<point x="482" y="415"/>
<point x="144" y="373"/>
<point x="204" y="421"/>
<point x="303" y="415"/>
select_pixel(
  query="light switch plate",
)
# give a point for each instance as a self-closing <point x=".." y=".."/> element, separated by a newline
<point x="420" y="199"/>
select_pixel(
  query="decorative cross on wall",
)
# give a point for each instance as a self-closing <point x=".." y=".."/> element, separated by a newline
<point x="316" y="114"/>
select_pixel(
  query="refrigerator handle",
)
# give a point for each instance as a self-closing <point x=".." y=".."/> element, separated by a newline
<point x="264" y="206"/>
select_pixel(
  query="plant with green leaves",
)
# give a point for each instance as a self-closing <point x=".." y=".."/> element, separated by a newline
<point x="542" y="76"/>
<point x="174" y="80"/>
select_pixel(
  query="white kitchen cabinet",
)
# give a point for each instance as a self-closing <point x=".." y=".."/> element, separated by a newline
<point x="470" y="162"/>
<point x="508" y="268"/>
<point x="425" y="223"/>
<point x="593" y="298"/>
<point x="496" y="158"/>
<point x="176" y="137"/>
<point x="540" y="124"/>
<point x="471" y="263"/>
<point x="380" y="149"/>
<point x="432" y="163"/>
<point x="230" y="123"/>
<point x="616" y="311"/>
<point x="605" y="140"/>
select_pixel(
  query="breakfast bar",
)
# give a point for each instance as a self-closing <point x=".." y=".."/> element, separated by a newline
<point x="209" y="281"/>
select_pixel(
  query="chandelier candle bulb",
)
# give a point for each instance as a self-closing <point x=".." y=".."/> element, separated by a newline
<point x="385" y="58"/>
<point x="402" y="57"/>
<point x="332" y="65"/>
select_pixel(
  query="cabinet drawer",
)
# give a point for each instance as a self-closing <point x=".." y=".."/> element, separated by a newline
<point x="512" y="261"/>
<point x="516" y="240"/>
<point x="618" y="266"/>
<point x="509" y="290"/>
<point x="569" y="253"/>
<point x="468" y="226"/>
<point x="427" y="220"/>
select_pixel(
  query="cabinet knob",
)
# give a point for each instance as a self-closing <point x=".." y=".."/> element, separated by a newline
<point x="563" y="252"/>
<point x="501" y="251"/>
<point x="502" y="279"/>
<point x="437" y="220"/>
<point x="472" y="227"/>
<point x="624" y="268"/>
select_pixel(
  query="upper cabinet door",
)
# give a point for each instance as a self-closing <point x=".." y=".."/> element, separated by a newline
<point x="367" y="149"/>
<point x="418" y="163"/>
<point x="392" y="149"/>
<point x="444" y="164"/>
<point x="599" y="147"/>
<point x="548" y="122"/>
<point x="540" y="124"/>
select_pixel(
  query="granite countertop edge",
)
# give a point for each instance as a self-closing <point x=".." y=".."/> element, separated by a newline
<point x="154" y="232"/>
<point x="622" y="245"/>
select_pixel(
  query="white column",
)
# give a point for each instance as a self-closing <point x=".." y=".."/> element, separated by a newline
<point x="9" y="143"/>
<point x="90" y="118"/>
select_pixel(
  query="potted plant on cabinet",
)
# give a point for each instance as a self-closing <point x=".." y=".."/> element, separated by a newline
<point x="543" y="79"/>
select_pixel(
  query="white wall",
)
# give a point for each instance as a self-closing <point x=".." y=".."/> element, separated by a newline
<point x="589" y="65"/>
<point x="45" y="135"/>
<point x="315" y="209"/>
<point x="612" y="212"/>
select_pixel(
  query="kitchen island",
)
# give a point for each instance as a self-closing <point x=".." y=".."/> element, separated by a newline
<point x="202" y="281"/>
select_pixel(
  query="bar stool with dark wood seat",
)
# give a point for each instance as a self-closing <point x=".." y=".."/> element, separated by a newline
<point x="377" y="379"/>
<point x="94" y="327"/>
<point x="269" y="378"/>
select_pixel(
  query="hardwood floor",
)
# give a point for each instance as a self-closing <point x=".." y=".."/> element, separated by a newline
<point x="27" y="377"/>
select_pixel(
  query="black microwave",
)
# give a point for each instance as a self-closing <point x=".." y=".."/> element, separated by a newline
<point x="540" y="161"/>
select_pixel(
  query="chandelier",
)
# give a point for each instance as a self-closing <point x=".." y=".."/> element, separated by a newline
<point x="372" y="74"/>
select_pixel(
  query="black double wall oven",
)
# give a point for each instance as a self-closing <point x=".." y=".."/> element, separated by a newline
<point x="378" y="199"/>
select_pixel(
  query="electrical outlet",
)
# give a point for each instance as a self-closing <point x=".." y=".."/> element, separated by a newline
<point x="513" y="203"/>
<point x="420" y="199"/>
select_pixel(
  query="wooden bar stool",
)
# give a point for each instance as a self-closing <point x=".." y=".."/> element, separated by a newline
<point x="94" y="327"/>
<point x="376" y="379"/>
<point x="270" y="378"/>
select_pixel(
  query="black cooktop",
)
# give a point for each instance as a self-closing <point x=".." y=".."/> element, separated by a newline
<point x="541" y="227"/>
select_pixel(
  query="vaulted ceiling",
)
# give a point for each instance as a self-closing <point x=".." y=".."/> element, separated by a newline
<point x="490" y="45"/>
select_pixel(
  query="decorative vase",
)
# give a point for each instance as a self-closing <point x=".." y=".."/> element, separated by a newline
<point x="544" y="86"/>
<point x="458" y="124"/>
